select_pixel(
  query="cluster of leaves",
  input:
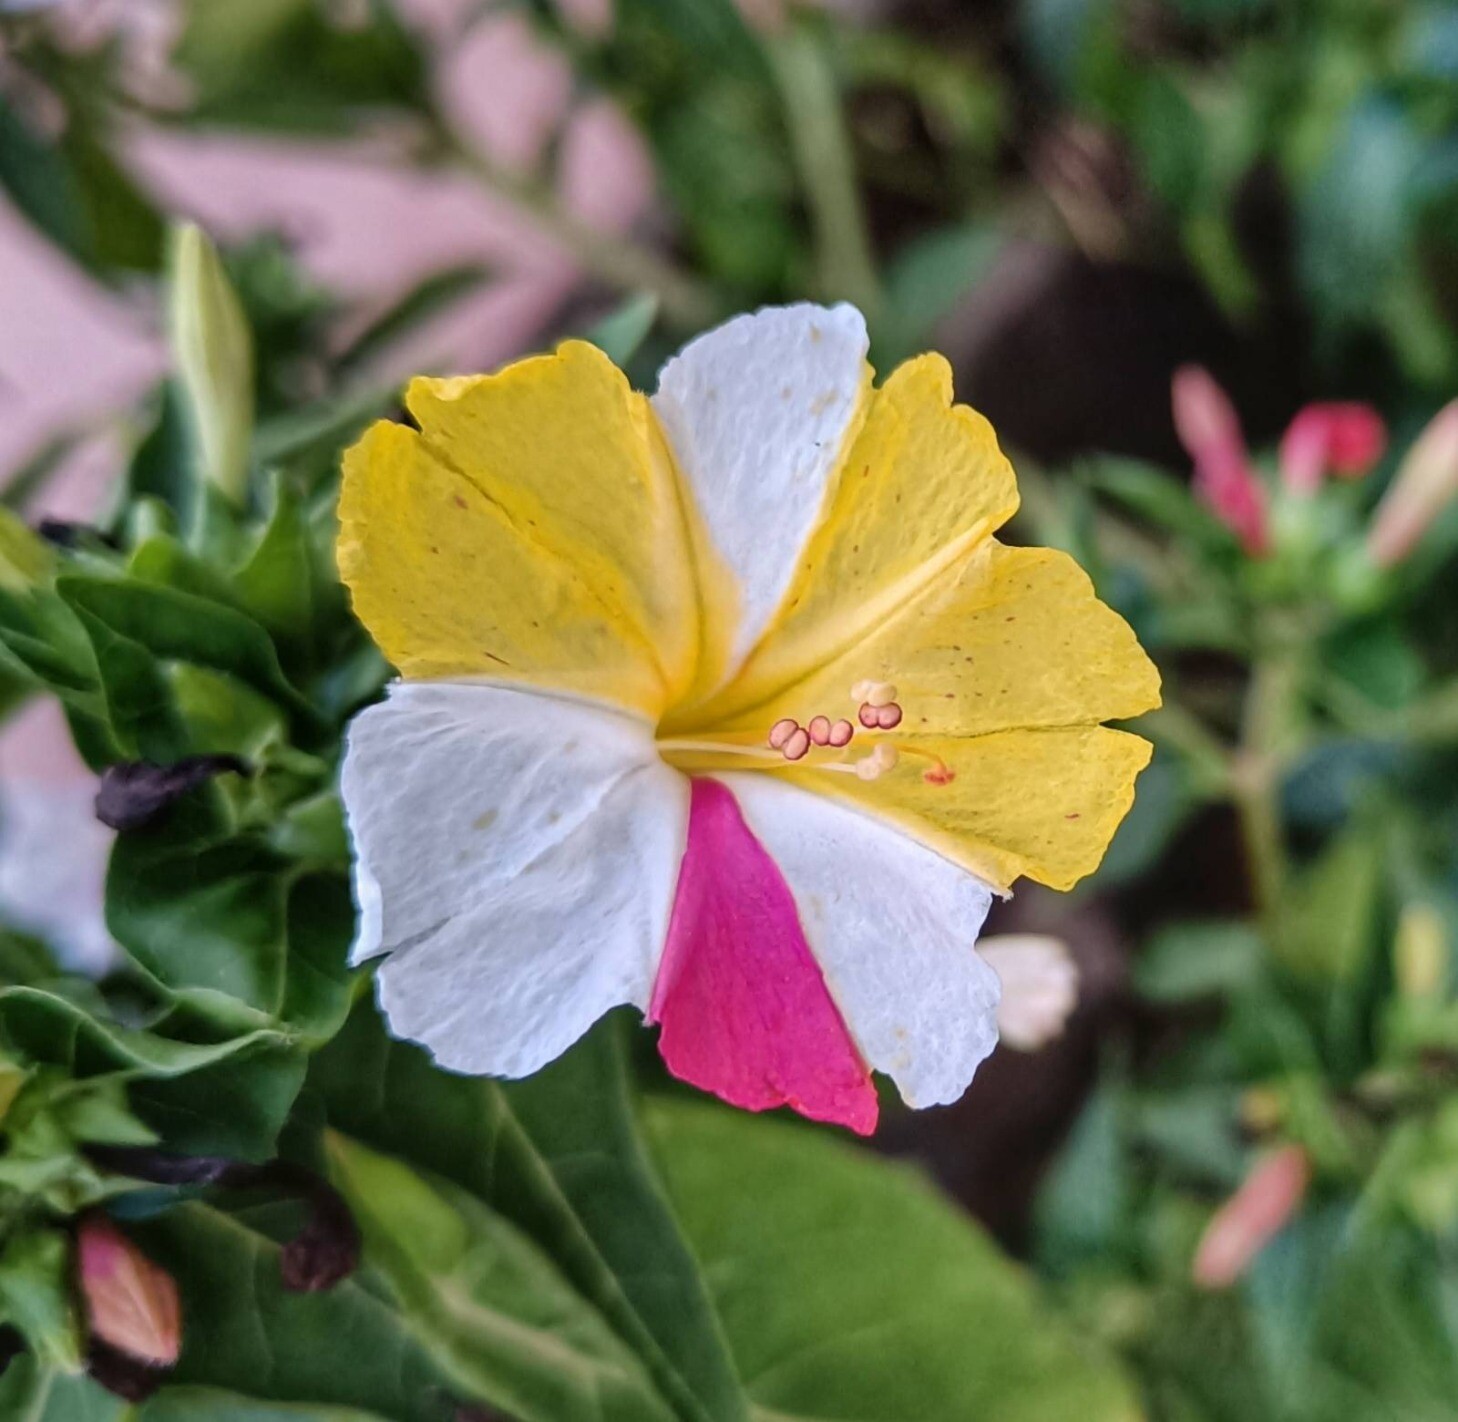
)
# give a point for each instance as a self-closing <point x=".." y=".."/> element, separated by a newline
<point x="1346" y="110"/>
<point x="1310" y="693"/>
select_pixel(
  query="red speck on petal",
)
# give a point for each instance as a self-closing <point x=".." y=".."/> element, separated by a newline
<point x="941" y="775"/>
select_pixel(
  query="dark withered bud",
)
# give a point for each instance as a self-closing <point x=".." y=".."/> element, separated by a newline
<point x="61" y="533"/>
<point x="323" y="1253"/>
<point x="121" y="1374"/>
<point x="135" y="792"/>
<point x="326" y="1250"/>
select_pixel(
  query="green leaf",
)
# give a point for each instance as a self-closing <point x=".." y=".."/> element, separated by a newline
<point x="32" y="1392"/>
<point x="227" y="926"/>
<point x="35" y="1296"/>
<point x="1194" y="960"/>
<point x="180" y="626"/>
<point x="560" y="1156"/>
<point x="925" y="281"/>
<point x="489" y="1306"/>
<point x="282" y="64"/>
<point x="1329" y="913"/>
<point x="343" y="1348"/>
<point x="622" y="331"/>
<point x="40" y="184"/>
<point x="1162" y="501"/>
<point x="849" y="1289"/>
<point x="191" y="1404"/>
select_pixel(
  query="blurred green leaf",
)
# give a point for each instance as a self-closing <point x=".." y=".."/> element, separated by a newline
<point x="286" y="64"/>
<point x="1195" y="960"/>
<point x="849" y="1289"/>
<point x="622" y="331"/>
<point x="35" y="1296"/>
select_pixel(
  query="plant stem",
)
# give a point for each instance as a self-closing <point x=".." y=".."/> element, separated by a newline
<point x="826" y="164"/>
<point x="620" y="262"/>
<point x="1255" y="781"/>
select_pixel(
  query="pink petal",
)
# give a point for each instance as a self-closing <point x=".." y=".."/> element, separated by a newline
<point x="1346" y="439"/>
<point x="744" y="1007"/>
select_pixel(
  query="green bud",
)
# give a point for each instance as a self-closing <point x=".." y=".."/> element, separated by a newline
<point x="25" y="559"/>
<point x="213" y="353"/>
<point x="1420" y="954"/>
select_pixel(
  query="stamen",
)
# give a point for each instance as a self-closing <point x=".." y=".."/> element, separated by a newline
<point x="880" y="718"/>
<point x="781" y="731"/>
<point x="819" y="729"/>
<point x="841" y="733"/>
<point x="881" y="694"/>
<point x="798" y="745"/>
<point x="880" y="760"/>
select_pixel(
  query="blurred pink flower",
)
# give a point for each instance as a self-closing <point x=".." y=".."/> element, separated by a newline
<point x="1425" y="483"/>
<point x="1209" y="429"/>
<point x="1267" y="1199"/>
<point x="1345" y="439"/>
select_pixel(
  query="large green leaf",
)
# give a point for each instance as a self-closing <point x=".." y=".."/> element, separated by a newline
<point x="849" y="1289"/>
<point x="561" y="1157"/>
<point x="485" y="1302"/>
<point x="346" y="1347"/>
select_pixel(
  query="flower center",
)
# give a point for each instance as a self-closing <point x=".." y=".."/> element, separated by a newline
<point x="822" y="743"/>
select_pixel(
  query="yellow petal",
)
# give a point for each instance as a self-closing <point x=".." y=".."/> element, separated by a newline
<point x="449" y="586"/>
<point x="922" y="485"/>
<point x="1041" y="803"/>
<point x="531" y="530"/>
<point x="1011" y="638"/>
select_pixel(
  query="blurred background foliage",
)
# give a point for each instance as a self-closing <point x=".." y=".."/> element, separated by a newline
<point x="1231" y="1191"/>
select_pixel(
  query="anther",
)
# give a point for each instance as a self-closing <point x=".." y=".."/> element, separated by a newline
<point x="882" y="693"/>
<point x="819" y="730"/>
<point x="888" y="717"/>
<point x="841" y="733"/>
<point x="797" y="745"/>
<point x="781" y="732"/>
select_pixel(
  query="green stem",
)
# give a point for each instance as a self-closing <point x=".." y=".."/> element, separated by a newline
<point x="1256" y="777"/>
<point x="619" y="262"/>
<point x="823" y="156"/>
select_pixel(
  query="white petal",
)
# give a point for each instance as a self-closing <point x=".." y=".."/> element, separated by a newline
<point x="758" y="412"/>
<point x="516" y="855"/>
<point x="892" y="925"/>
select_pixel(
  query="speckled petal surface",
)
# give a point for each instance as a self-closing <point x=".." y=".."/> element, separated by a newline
<point x="892" y="925"/>
<point x="760" y="413"/>
<point x="517" y="856"/>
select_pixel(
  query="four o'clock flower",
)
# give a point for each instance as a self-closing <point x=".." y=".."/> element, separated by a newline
<point x="724" y="703"/>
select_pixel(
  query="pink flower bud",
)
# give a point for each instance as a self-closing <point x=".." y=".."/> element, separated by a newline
<point x="1204" y="418"/>
<point x="1039" y="987"/>
<point x="1425" y="482"/>
<point x="1342" y="439"/>
<point x="1209" y="429"/>
<point x="1268" y="1197"/>
<point x="131" y="1303"/>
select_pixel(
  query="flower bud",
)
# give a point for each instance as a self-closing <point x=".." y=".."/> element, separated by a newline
<point x="1425" y="482"/>
<point x="213" y="354"/>
<point x="1345" y="439"/>
<point x="1209" y="429"/>
<point x="1267" y="1199"/>
<point x="1420" y="952"/>
<point x="131" y="1303"/>
<point x="1039" y="987"/>
<point x="25" y="559"/>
